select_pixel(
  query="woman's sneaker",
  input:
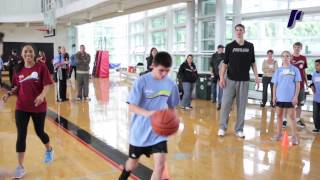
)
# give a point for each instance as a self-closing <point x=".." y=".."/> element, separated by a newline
<point x="19" y="172"/>
<point x="294" y="140"/>
<point x="277" y="137"/>
<point x="49" y="156"/>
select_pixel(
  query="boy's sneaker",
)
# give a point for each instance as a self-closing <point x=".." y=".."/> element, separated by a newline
<point x="87" y="98"/>
<point x="187" y="108"/>
<point x="221" y="132"/>
<point x="301" y="124"/>
<point x="316" y="131"/>
<point x="294" y="140"/>
<point x="284" y="124"/>
<point x="48" y="156"/>
<point x="19" y="172"/>
<point x="277" y="137"/>
<point x="240" y="134"/>
<point x="262" y="105"/>
<point x="78" y="99"/>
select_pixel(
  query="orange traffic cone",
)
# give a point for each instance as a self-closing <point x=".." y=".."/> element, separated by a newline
<point x="165" y="173"/>
<point x="285" y="139"/>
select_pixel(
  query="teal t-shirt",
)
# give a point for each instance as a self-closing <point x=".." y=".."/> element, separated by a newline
<point x="150" y="94"/>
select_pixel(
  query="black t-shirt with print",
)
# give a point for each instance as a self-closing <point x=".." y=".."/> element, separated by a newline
<point x="239" y="59"/>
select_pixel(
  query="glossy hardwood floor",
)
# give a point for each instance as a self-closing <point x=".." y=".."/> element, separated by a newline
<point x="195" y="152"/>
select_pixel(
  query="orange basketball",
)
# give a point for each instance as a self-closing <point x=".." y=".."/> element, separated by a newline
<point x="165" y="122"/>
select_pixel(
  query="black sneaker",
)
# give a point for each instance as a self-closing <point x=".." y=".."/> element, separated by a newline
<point x="262" y="105"/>
<point x="219" y="107"/>
<point x="316" y="131"/>
<point x="284" y="124"/>
<point x="301" y="124"/>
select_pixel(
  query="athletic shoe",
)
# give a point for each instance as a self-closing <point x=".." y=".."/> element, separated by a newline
<point x="277" y="137"/>
<point x="221" y="132"/>
<point x="49" y="156"/>
<point x="78" y="99"/>
<point x="219" y="107"/>
<point x="262" y="105"/>
<point x="87" y="98"/>
<point x="240" y="134"/>
<point x="284" y="124"/>
<point x="294" y="140"/>
<point x="187" y="108"/>
<point x="316" y="131"/>
<point x="301" y="124"/>
<point x="19" y="172"/>
<point x="190" y="107"/>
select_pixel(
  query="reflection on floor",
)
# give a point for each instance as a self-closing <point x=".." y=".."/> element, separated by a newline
<point x="195" y="152"/>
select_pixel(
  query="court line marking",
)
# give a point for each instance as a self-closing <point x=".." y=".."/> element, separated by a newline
<point x="93" y="175"/>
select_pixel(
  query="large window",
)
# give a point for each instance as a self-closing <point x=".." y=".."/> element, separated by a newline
<point x="272" y="33"/>
<point x="208" y="36"/>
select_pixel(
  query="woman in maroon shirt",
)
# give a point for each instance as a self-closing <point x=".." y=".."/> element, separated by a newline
<point x="31" y="82"/>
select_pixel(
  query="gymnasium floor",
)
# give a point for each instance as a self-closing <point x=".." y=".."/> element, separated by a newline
<point x="90" y="140"/>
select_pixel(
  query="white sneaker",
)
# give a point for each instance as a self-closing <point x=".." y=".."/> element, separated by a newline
<point x="240" y="134"/>
<point x="221" y="132"/>
<point x="87" y="99"/>
<point x="19" y="172"/>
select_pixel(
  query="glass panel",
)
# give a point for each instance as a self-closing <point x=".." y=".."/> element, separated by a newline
<point x="159" y="40"/>
<point x="229" y="5"/>
<point x="208" y="36"/>
<point x="137" y="27"/>
<point x="249" y="6"/>
<point x="180" y="16"/>
<point x="208" y="7"/>
<point x="180" y="39"/>
<point x="178" y="60"/>
<point x="158" y="22"/>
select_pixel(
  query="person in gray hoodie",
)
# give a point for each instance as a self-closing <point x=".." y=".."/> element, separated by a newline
<point x="83" y="61"/>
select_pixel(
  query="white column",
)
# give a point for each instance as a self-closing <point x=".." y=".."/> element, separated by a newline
<point x="220" y="24"/>
<point x="237" y="14"/>
<point x="170" y="30"/>
<point x="190" y="26"/>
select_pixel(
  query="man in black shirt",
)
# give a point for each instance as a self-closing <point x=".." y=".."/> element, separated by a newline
<point x="215" y="63"/>
<point x="238" y="60"/>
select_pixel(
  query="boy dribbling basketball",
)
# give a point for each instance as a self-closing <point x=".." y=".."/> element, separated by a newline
<point x="150" y="92"/>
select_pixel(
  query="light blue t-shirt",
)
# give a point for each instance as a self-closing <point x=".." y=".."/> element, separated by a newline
<point x="285" y="79"/>
<point x="316" y="83"/>
<point x="150" y="94"/>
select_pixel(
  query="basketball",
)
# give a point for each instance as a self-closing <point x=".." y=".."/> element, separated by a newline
<point x="165" y="122"/>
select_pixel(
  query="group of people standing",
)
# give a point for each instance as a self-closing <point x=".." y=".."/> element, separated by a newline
<point x="64" y="66"/>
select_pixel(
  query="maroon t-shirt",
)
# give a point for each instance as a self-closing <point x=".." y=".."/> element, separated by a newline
<point x="301" y="63"/>
<point x="30" y="83"/>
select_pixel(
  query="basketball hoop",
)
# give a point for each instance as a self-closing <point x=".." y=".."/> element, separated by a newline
<point x="49" y="18"/>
